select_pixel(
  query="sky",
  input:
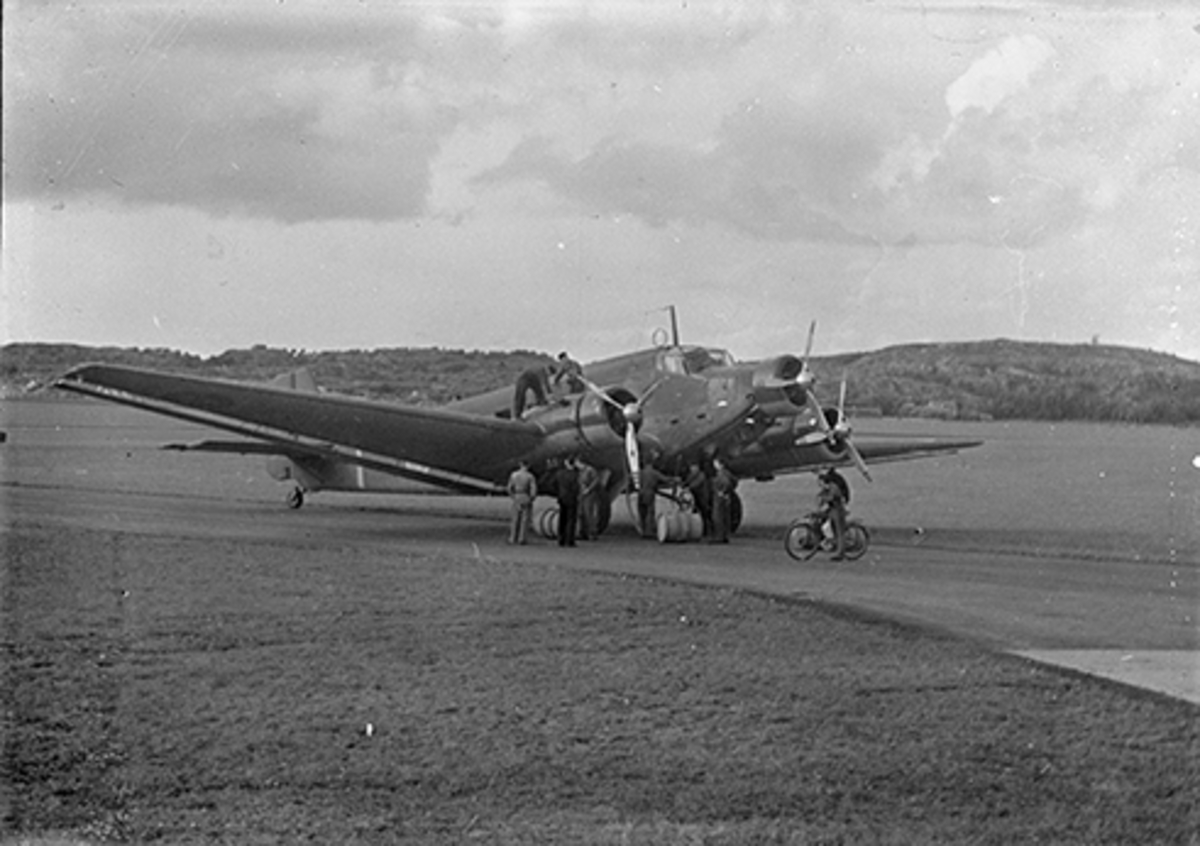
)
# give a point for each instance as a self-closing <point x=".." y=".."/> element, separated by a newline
<point x="552" y="175"/>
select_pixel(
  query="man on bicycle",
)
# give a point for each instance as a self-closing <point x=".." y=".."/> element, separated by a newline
<point x="831" y="502"/>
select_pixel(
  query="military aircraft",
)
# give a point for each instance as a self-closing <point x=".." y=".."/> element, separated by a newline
<point x="670" y="405"/>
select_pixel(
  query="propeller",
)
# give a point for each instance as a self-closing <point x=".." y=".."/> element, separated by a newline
<point x="631" y="413"/>
<point x="838" y="434"/>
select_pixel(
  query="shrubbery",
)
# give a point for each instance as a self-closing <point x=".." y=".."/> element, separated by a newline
<point x="983" y="380"/>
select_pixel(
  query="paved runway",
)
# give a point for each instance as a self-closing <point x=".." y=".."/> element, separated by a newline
<point x="1133" y="621"/>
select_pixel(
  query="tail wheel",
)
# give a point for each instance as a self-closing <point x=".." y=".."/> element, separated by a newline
<point x="800" y="541"/>
<point x="857" y="541"/>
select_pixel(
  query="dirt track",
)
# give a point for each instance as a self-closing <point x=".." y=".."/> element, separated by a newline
<point x="1133" y="621"/>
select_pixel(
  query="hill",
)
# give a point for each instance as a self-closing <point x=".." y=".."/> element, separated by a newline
<point x="997" y="379"/>
<point x="1004" y="379"/>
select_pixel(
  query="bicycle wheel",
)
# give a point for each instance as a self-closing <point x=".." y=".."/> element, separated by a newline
<point x="800" y="541"/>
<point x="857" y="541"/>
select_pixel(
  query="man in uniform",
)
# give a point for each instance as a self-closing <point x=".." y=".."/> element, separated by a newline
<point x="700" y="485"/>
<point x="649" y="482"/>
<point x="589" y="501"/>
<point x="568" y="375"/>
<point x="723" y="485"/>
<point x="566" y="488"/>
<point x="535" y="379"/>
<point x="522" y="487"/>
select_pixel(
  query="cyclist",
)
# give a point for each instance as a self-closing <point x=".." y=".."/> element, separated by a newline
<point x="831" y="502"/>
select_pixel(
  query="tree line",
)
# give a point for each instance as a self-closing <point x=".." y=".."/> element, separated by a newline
<point x="979" y="380"/>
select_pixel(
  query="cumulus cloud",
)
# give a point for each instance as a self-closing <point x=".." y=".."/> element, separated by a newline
<point x="998" y="75"/>
<point x="225" y="117"/>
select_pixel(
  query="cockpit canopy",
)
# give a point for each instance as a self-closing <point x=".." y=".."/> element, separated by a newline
<point x="691" y="361"/>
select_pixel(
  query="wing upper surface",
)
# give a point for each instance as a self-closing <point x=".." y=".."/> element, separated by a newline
<point x="447" y="447"/>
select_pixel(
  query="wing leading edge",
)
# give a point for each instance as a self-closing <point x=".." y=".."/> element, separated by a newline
<point x="456" y="450"/>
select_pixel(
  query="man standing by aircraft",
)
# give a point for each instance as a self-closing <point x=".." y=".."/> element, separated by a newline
<point x="723" y="484"/>
<point x="522" y="487"/>
<point x="648" y="485"/>
<point x="589" y="501"/>
<point x="566" y="488"/>
<point x="700" y="485"/>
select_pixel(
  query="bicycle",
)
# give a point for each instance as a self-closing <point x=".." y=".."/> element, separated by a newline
<point x="805" y="537"/>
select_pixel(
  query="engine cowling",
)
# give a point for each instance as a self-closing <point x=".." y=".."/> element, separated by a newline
<point x="777" y="389"/>
<point x="583" y="424"/>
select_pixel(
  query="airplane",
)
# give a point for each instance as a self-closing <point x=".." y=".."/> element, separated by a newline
<point x="670" y="405"/>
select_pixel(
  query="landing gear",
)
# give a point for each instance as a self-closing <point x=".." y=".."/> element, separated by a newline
<point x="295" y="497"/>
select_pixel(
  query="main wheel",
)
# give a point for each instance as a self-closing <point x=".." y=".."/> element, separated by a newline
<point x="800" y="541"/>
<point x="857" y="541"/>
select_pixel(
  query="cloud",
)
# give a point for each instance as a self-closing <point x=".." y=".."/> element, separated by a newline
<point x="998" y="75"/>
<point x="300" y="121"/>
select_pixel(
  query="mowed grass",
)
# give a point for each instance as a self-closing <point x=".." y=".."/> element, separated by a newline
<point x="183" y="690"/>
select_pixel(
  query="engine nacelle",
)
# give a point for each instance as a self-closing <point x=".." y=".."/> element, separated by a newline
<point x="583" y="424"/>
<point x="776" y="389"/>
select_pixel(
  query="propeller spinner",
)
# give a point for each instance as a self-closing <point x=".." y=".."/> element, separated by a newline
<point x="631" y="415"/>
<point x="836" y="434"/>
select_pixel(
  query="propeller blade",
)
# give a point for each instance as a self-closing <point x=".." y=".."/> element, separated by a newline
<point x="650" y="391"/>
<point x="632" y="456"/>
<point x="600" y="392"/>
<point x="842" y="400"/>
<point x="805" y="378"/>
<point x="857" y="458"/>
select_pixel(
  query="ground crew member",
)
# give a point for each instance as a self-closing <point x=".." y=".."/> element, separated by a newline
<point x="566" y="488"/>
<point x="589" y="501"/>
<point x="522" y="488"/>
<point x="648" y="485"/>
<point x="569" y="371"/>
<point x="535" y="379"/>
<point x="700" y="485"/>
<point x="723" y="486"/>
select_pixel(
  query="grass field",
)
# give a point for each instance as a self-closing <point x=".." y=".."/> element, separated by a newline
<point x="173" y="690"/>
<point x="159" y="688"/>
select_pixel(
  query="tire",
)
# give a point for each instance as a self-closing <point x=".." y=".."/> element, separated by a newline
<point x="800" y="541"/>
<point x="857" y="540"/>
<point x="547" y="523"/>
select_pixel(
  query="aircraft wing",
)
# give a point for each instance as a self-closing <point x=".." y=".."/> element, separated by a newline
<point x="783" y="456"/>
<point x="243" y="447"/>
<point x="884" y="450"/>
<point x="467" y="452"/>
